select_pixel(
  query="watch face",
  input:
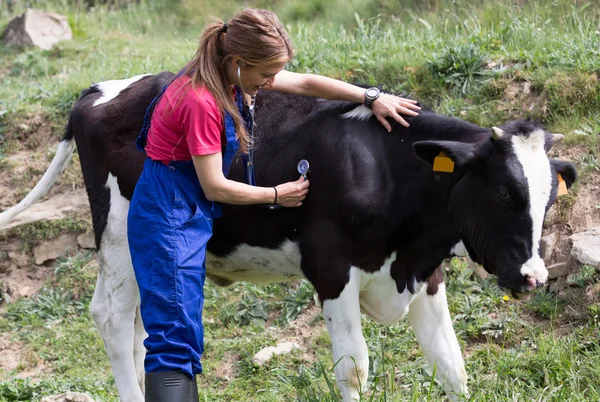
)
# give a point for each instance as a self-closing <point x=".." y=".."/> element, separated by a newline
<point x="372" y="92"/>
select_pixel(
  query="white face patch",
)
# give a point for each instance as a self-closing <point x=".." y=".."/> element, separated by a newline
<point x="110" y="89"/>
<point x="536" y="168"/>
<point x="257" y="264"/>
<point x="360" y="112"/>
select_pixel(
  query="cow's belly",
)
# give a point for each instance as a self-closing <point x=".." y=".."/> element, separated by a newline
<point x="379" y="297"/>
<point x="256" y="264"/>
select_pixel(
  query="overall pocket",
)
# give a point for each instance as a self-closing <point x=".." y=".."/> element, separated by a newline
<point x="163" y="286"/>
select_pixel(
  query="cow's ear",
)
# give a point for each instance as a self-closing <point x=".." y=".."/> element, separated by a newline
<point x="461" y="153"/>
<point x="566" y="170"/>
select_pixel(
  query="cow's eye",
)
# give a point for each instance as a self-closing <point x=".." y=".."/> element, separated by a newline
<point x="503" y="193"/>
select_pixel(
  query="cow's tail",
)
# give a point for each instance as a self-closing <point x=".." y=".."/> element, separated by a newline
<point x="60" y="161"/>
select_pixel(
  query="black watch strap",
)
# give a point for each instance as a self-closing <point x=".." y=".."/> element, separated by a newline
<point x="370" y="99"/>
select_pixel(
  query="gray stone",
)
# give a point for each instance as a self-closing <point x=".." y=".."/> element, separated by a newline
<point x="480" y="272"/>
<point x="267" y="353"/>
<point x="69" y="397"/>
<point x="86" y="240"/>
<point x="552" y="217"/>
<point x="548" y="243"/>
<point x="19" y="258"/>
<point x="55" y="248"/>
<point x="558" y="285"/>
<point x="558" y="270"/>
<point x="59" y="207"/>
<point x="586" y="246"/>
<point x="37" y="28"/>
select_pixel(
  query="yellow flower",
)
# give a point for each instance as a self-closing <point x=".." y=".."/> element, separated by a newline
<point x="505" y="298"/>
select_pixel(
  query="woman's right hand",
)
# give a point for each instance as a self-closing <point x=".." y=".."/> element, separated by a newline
<point x="292" y="193"/>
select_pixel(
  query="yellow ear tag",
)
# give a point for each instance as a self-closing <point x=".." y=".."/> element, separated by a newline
<point x="562" y="186"/>
<point x="442" y="163"/>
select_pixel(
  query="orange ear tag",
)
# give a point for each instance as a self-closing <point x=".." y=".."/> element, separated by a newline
<point x="442" y="163"/>
<point x="562" y="186"/>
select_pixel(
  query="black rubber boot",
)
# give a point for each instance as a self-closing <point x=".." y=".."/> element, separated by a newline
<point x="171" y="386"/>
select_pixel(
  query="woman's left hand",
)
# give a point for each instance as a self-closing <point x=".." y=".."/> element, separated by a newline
<point x="391" y="106"/>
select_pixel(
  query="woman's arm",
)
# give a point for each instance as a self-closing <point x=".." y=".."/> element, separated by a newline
<point x="217" y="188"/>
<point x="316" y="85"/>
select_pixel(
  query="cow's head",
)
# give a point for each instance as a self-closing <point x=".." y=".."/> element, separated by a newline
<point x="505" y="185"/>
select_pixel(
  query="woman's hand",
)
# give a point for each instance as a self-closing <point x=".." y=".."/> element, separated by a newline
<point x="391" y="106"/>
<point x="292" y="193"/>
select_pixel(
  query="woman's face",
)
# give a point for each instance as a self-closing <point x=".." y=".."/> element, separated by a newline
<point x="254" y="78"/>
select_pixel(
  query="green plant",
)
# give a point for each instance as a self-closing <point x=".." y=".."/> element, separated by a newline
<point x="459" y="67"/>
<point x="296" y="300"/>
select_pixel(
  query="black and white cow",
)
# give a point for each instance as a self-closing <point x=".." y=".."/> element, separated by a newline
<point x="376" y="225"/>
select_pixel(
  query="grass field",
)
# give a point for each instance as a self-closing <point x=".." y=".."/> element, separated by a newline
<point x="481" y="61"/>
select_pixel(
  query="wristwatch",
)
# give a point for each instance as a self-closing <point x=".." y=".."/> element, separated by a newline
<point x="371" y="94"/>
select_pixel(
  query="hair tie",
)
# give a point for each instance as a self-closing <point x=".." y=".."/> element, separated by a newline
<point x="224" y="28"/>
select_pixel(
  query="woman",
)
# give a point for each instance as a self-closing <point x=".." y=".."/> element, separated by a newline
<point x="198" y="124"/>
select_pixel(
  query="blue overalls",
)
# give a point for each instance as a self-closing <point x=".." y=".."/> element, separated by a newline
<point x="168" y="226"/>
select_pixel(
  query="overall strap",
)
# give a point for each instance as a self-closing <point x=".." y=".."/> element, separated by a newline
<point x="142" y="138"/>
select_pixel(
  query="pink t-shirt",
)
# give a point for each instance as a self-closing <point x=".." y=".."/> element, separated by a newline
<point x="185" y="122"/>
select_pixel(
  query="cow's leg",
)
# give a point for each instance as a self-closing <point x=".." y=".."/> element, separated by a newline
<point x="139" y="351"/>
<point x="113" y="308"/>
<point x="350" y="353"/>
<point x="430" y="319"/>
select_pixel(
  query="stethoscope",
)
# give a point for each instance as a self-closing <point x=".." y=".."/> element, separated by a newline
<point x="303" y="166"/>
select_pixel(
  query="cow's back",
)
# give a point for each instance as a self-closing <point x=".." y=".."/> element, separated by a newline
<point x="105" y="121"/>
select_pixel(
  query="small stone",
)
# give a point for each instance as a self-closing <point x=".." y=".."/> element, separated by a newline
<point x="552" y="217"/>
<point x="19" y="258"/>
<point x="558" y="270"/>
<point x="86" y="240"/>
<point x="69" y="397"/>
<point x="586" y="246"/>
<point x="480" y="272"/>
<point x="267" y="353"/>
<point x="55" y="248"/>
<point x="558" y="285"/>
<point x="548" y="243"/>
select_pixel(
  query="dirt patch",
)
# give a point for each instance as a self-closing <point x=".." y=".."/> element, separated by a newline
<point x="302" y="330"/>
<point x="521" y="93"/>
<point x="227" y="367"/>
<point x="30" y="144"/>
<point x="14" y="357"/>
<point x="19" y="282"/>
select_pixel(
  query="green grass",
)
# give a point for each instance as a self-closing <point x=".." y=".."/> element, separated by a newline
<point x="514" y="350"/>
<point x="485" y="62"/>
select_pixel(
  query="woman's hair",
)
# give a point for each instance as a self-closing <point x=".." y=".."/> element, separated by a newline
<point x="256" y="37"/>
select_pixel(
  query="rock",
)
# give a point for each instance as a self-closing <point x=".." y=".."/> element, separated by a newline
<point x="86" y="240"/>
<point x="69" y="397"/>
<point x="14" y="245"/>
<point x="37" y="28"/>
<point x="480" y="272"/>
<point x="552" y="217"/>
<point x="558" y="270"/>
<point x="558" y="285"/>
<point x="586" y="246"/>
<point x="267" y="353"/>
<point x="59" y="207"/>
<point x="548" y="243"/>
<point x="55" y="248"/>
<point x="21" y="259"/>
